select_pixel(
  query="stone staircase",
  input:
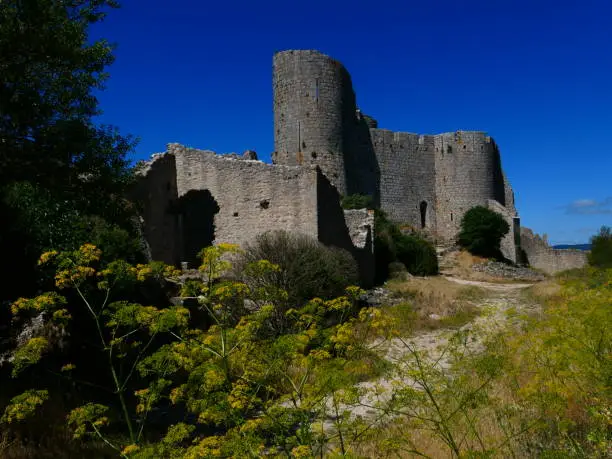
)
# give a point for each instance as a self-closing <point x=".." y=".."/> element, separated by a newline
<point x="447" y="256"/>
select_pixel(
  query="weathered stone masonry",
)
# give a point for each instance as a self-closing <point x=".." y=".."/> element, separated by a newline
<point x="325" y="148"/>
<point x="540" y="255"/>
<point x="425" y="181"/>
<point x="192" y="198"/>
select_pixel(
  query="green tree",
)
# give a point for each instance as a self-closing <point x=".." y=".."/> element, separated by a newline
<point x="58" y="169"/>
<point x="482" y="231"/>
<point x="601" y="248"/>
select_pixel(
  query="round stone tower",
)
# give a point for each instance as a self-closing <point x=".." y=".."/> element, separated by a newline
<point x="313" y="103"/>
<point x="468" y="174"/>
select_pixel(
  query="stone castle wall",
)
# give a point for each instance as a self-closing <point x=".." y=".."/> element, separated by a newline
<point x="542" y="256"/>
<point x="325" y="148"/>
<point x="212" y="198"/>
<point x="157" y="194"/>
<point x="407" y="176"/>
<point x="425" y="181"/>
<point x="252" y="197"/>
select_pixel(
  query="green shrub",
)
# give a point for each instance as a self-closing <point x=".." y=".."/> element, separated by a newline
<point x="482" y="231"/>
<point x="357" y="201"/>
<point x="391" y="245"/>
<point x="308" y="269"/>
<point x="417" y="254"/>
<point x="601" y="248"/>
<point x="385" y="233"/>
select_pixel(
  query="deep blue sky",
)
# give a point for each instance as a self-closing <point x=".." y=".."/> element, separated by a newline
<point x="535" y="74"/>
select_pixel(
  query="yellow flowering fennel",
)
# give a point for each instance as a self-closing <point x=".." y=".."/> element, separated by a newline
<point x="258" y="384"/>
<point x="130" y="449"/>
<point x="120" y="327"/>
<point x="22" y="406"/>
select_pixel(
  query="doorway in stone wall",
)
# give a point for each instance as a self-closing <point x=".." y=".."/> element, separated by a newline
<point x="423" y="209"/>
<point x="197" y="209"/>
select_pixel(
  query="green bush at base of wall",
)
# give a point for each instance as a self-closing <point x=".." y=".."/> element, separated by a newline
<point x="482" y="231"/>
<point x="308" y="269"/>
<point x="391" y="245"/>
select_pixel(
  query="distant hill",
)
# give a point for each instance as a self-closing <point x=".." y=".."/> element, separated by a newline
<point x="573" y="246"/>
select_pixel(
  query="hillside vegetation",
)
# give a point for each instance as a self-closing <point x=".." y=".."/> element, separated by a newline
<point x="220" y="379"/>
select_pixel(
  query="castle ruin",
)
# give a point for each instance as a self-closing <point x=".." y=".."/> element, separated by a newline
<point x="325" y="148"/>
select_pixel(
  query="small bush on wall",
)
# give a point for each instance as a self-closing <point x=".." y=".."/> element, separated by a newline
<point x="357" y="201"/>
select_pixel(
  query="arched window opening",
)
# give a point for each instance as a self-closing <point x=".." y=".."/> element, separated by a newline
<point x="423" y="209"/>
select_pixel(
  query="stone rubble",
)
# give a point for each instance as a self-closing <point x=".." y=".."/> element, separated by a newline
<point x="507" y="271"/>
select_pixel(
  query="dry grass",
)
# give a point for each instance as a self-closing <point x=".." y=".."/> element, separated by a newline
<point x="376" y="445"/>
<point x="402" y="438"/>
<point x="544" y="291"/>
<point x="411" y="442"/>
<point x="462" y="263"/>
<point x="434" y="302"/>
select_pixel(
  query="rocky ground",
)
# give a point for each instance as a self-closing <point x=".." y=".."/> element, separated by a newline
<point x="458" y="263"/>
<point x="506" y="271"/>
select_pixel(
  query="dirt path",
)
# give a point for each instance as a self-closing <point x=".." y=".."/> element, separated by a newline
<point x="434" y="345"/>
<point x="494" y="287"/>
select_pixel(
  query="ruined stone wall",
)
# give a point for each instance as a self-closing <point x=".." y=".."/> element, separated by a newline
<point x="252" y="197"/>
<point x="351" y="231"/>
<point x="313" y="103"/>
<point x="509" y="195"/>
<point x="510" y="244"/>
<point x="325" y="148"/>
<point x="156" y="193"/>
<point x="360" y="226"/>
<point x="467" y="173"/>
<point x="193" y="198"/>
<point x="541" y="256"/>
<point x="407" y="176"/>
